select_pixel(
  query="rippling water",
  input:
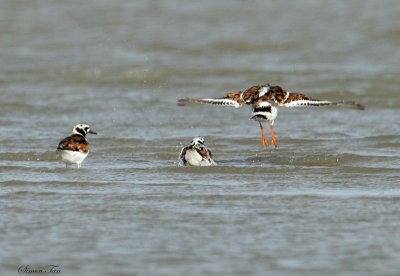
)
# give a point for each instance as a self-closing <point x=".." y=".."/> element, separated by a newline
<point x="325" y="202"/>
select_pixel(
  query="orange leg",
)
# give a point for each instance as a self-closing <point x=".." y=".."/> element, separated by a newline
<point x="273" y="138"/>
<point x="263" y="139"/>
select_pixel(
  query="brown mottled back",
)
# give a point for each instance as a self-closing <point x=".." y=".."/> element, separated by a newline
<point x="205" y="153"/>
<point x="74" y="143"/>
<point x="251" y="94"/>
<point x="277" y="93"/>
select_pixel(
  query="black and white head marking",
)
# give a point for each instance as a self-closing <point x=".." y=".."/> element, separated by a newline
<point x="198" y="142"/>
<point x="82" y="129"/>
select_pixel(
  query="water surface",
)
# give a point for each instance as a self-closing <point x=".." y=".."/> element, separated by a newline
<point x="325" y="202"/>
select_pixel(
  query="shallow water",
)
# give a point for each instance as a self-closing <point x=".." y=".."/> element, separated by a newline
<point x="325" y="202"/>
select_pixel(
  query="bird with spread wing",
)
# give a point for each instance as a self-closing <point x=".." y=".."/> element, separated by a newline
<point x="265" y="100"/>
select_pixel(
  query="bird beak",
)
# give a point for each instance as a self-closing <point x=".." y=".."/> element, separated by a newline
<point x="92" y="132"/>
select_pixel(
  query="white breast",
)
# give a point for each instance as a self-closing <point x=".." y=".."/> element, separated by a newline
<point x="193" y="158"/>
<point x="71" y="157"/>
<point x="274" y="114"/>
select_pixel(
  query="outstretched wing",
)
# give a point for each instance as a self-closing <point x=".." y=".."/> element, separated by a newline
<point x="231" y="99"/>
<point x="210" y="155"/>
<point x="301" y="100"/>
<point x="221" y="101"/>
<point x="182" y="159"/>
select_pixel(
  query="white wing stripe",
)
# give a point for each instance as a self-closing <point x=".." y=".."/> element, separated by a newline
<point x="222" y="102"/>
<point x="308" y="103"/>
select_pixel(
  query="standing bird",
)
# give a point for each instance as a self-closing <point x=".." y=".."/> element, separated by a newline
<point x="265" y="100"/>
<point x="196" y="154"/>
<point x="75" y="148"/>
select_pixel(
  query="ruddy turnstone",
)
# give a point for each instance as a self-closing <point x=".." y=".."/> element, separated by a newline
<point x="75" y="148"/>
<point x="196" y="154"/>
<point x="265" y="100"/>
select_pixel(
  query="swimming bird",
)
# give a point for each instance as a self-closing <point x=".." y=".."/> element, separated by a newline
<point x="265" y="100"/>
<point x="196" y="154"/>
<point x="75" y="148"/>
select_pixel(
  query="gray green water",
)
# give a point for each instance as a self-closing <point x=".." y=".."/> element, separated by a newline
<point x="326" y="202"/>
